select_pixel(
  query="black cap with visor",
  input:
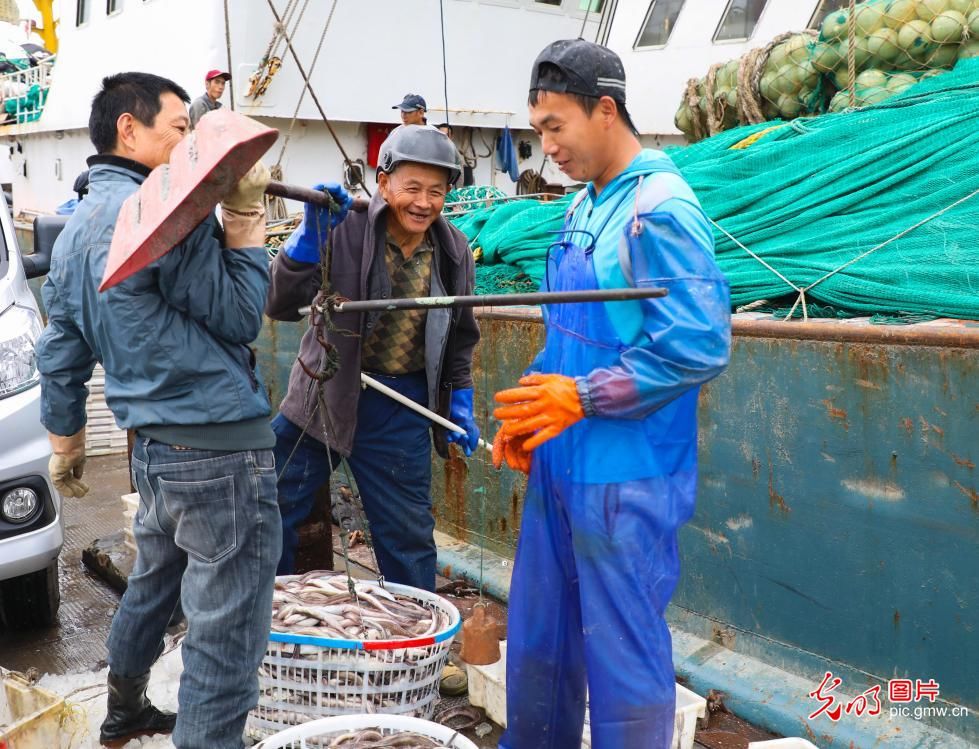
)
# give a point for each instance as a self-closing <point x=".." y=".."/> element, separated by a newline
<point x="589" y="70"/>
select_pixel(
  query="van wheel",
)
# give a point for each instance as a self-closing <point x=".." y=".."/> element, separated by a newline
<point x="30" y="601"/>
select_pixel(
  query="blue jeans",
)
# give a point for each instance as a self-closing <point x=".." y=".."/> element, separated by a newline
<point x="207" y="534"/>
<point x="391" y="463"/>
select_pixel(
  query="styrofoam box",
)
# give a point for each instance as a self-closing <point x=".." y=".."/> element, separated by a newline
<point x="782" y="744"/>
<point x="30" y="717"/>
<point x="130" y="504"/>
<point x="487" y="689"/>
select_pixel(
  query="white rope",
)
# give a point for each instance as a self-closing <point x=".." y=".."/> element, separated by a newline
<point x="281" y="29"/>
<point x="309" y="73"/>
<point x="756" y="257"/>
<point x="910" y="229"/>
<point x="802" y="291"/>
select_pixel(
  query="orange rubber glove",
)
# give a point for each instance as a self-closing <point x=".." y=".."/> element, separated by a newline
<point x="509" y="448"/>
<point x="546" y="406"/>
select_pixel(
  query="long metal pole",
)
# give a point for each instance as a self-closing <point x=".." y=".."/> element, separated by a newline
<point x="407" y="402"/>
<point x="502" y="300"/>
<point x="308" y="195"/>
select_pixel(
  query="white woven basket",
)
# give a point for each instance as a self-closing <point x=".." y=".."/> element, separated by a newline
<point x="303" y="678"/>
<point x="317" y="733"/>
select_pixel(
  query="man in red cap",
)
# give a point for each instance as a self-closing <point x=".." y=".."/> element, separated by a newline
<point x="213" y="90"/>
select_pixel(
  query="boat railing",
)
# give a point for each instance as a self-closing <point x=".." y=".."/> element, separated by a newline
<point x="462" y="207"/>
<point x="24" y="93"/>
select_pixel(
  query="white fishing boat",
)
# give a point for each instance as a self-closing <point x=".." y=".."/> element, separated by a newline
<point x="470" y="59"/>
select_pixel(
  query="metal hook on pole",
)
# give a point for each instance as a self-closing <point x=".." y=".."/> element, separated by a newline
<point x="492" y="300"/>
<point x="417" y="408"/>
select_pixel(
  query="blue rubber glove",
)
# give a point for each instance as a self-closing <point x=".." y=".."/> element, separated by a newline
<point x="303" y="245"/>
<point x="461" y="413"/>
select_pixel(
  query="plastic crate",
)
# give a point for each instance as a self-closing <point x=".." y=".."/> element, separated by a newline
<point x="303" y="678"/>
<point x="318" y="732"/>
<point x="487" y="689"/>
<point x="30" y="716"/>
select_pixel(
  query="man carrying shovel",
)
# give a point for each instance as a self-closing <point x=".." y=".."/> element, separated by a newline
<point x="172" y="338"/>
<point x="400" y="247"/>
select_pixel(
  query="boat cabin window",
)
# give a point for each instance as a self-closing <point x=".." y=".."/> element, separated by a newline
<point x="592" y="6"/>
<point x="81" y="12"/>
<point x="658" y="25"/>
<point x="739" y="20"/>
<point x="112" y="6"/>
<point x="823" y="9"/>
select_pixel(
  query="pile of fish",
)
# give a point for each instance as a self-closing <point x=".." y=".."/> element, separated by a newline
<point x="371" y="738"/>
<point x="299" y="682"/>
<point x="321" y="605"/>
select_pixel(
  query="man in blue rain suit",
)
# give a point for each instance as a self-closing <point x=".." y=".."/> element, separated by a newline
<point x="605" y="424"/>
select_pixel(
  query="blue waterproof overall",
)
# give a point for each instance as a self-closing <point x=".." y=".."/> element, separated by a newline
<point x="597" y="560"/>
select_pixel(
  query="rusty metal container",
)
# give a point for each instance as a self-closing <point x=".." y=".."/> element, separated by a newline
<point x="837" y="518"/>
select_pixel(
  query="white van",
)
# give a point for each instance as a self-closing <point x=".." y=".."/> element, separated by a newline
<point x="31" y="522"/>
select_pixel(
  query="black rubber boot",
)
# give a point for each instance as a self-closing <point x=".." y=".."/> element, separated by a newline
<point x="130" y="713"/>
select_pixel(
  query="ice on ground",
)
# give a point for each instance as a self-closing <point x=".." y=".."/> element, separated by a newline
<point x="84" y="695"/>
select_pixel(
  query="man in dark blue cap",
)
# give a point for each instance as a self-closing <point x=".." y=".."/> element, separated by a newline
<point x="413" y="108"/>
<point x="605" y="424"/>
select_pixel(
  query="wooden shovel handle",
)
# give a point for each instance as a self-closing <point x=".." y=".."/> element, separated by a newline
<point x="307" y="195"/>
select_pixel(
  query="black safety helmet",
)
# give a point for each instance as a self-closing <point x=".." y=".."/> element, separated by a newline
<point x="419" y="144"/>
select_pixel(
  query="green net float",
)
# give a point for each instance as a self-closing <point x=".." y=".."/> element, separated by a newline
<point x="869" y="18"/>
<point x="945" y="56"/>
<point x="974" y="24"/>
<point x="767" y="87"/>
<point x="899" y="82"/>
<point x="914" y="39"/>
<point x="927" y="10"/>
<point x="963" y="6"/>
<point x="871" y="79"/>
<point x="826" y="57"/>
<point x="949" y="27"/>
<point x="840" y="101"/>
<point x="883" y="46"/>
<point x="898" y="13"/>
<point x="789" y="106"/>
<point x="969" y="50"/>
<point x="834" y="26"/>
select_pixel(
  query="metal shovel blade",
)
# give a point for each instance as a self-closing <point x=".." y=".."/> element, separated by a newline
<point x="176" y="197"/>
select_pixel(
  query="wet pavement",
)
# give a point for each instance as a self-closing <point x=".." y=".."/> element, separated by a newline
<point x="77" y="642"/>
